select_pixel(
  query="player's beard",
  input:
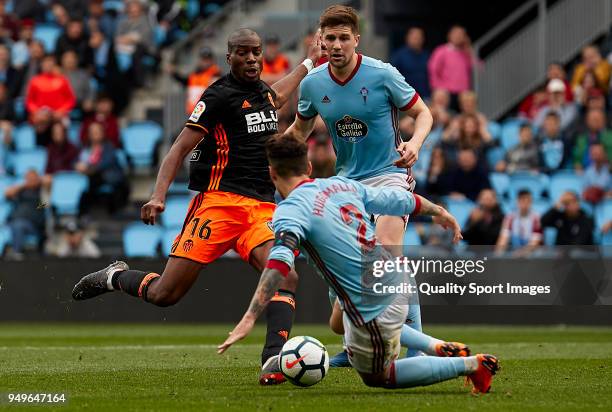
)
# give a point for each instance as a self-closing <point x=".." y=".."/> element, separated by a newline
<point x="343" y="63"/>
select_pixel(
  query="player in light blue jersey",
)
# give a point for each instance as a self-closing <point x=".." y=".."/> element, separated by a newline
<point x="325" y="218"/>
<point x="359" y="99"/>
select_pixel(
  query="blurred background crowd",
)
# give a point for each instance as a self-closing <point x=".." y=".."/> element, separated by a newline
<point x="75" y="162"/>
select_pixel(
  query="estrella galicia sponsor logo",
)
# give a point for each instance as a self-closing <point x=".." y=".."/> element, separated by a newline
<point x="195" y="155"/>
<point x="262" y="122"/>
<point x="351" y="130"/>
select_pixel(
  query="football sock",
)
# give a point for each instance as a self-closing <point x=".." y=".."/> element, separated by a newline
<point x="279" y="317"/>
<point x="418" y="342"/>
<point x="414" y="322"/>
<point x="133" y="282"/>
<point x="425" y="370"/>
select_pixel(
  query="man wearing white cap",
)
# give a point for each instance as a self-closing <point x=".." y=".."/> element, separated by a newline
<point x="556" y="103"/>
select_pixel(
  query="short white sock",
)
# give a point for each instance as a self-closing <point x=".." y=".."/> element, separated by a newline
<point x="471" y="364"/>
<point x="432" y="346"/>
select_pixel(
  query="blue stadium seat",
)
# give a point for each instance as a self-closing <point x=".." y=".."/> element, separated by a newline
<point x="47" y="33"/>
<point x="5" y="211"/>
<point x="139" y="141"/>
<point x="176" y="209"/>
<point x="529" y="181"/>
<point x="5" y="238"/>
<point x="167" y="239"/>
<point x="24" y="138"/>
<point x="494" y="155"/>
<point x="500" y="183"/>
<point x="461" y="209"/>
<point x="603" y="213"/>
<point x="5" y="182"/>
<point x="74" y="133"/>
<point x="510" y="133"/>
<point x="563" y="181"/>
<point x="19" y="107"/>
<point x="606" y="239"/>
<point x="66" y="191"/>
<point x="32" y="159"/>
<point x="411" y="237"/>
<point x="495" y="130"/>
<point x="113" y="5"/>
<point x="140" y="240"/>
<point x="550" y="236"/>
<point x="541" y="206"/>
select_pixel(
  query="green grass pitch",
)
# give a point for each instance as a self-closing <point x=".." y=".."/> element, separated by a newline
<point x="176" y="368"/>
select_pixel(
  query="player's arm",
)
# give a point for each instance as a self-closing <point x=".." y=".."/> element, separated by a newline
<point x="423" y="120"/>
<point x="287" y="85"/>
<point x="185" y="142"/>
<point x="301" y="127"/>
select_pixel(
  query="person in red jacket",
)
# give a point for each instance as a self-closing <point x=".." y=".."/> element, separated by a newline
<point x="49" y="98"/>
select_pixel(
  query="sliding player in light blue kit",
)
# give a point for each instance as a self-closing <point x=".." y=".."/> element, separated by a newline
<point x="325" y="219"/>
<point x="359" y="98"/>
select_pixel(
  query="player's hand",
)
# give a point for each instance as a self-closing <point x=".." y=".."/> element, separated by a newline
<point x="240" y="332"/>
<point x="151" y="210"/>
<point x="409" y="153"/>
<point x="314" y="51"/>
<point x="448" y="221"/>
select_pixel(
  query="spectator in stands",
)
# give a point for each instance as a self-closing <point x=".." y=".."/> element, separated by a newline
<point x="588" y="87"/>
<point x="9" y="76"/>
<point x="75" y="38"/>
<point x="275" y="64"/>
<point x="206" y="73"/>
<point x="7" y="114"/>
<point x="9" y="26"/>
<point x="574" y="226"/>
<point x="76" y="8"/>
<point x="596" y="100"/>
<point x="134" y="38"/>
<point x="554" y="144"/>
<point x="104" y="22"/>
<point x="103" y="115"/>
<point x="464" y="132"/>
<point x="411" y="61"/>
<point x="80" y="81"/>
<point x="597" y="180"/>
<point x="530" y="106"/>
<point x="60" y="15"/>
<point x="101" y="48"/>
<point x="322" y="157"/>
<point x="99" y="162"/>
<point x="592" y="61"/>
<point x="451" y="64"/>
<point x="437" y="182"/>
<point x="524" y="157"/>
<point x="36" y="53"/>
<point x="29" y="9"/>
<point x="467" y="179"/>
<point x="76" y="243"/>
<point x="521" y="230"/>
<point x="61" y="153"/>
<point x="596" y="133"/>
<point x="49" y="99"/>
<point x="440" y="110"/>
<point x="468" y="105"/>
<point x="436" y="240"/>
<point x="20" y="53"/>
<point x="27" y="218"/>
<point x="556" y="102"/>
<point x="485" y="220"/>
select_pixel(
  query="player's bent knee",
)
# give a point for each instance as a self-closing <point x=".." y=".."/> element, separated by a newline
<point x="373" y="380"/>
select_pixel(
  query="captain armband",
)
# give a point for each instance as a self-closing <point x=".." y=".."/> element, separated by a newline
<point x="289" y="240"/>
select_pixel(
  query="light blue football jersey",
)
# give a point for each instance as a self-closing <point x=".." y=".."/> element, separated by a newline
<point x="361" y="114"/>
<point x="330" y="217"/>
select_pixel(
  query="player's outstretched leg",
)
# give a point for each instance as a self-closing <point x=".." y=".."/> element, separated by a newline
<point x="420" y="342"/>
<point x="165" y="290"/>
<point x="427" y="370"/>
<point x="279" y="318"/>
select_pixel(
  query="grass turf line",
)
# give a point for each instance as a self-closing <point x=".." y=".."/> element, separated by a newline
<point x="175" y="367"/>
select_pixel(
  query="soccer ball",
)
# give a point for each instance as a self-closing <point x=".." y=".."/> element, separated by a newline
<point x="304" y="361"/>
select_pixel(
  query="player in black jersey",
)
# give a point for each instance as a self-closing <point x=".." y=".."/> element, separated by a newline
<point x="225" y="134"/>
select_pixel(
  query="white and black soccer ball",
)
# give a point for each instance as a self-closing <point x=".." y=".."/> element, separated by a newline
<point x="304" y="361"/>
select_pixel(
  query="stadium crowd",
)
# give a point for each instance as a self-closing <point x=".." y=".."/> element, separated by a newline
<point x="67" y="72"/>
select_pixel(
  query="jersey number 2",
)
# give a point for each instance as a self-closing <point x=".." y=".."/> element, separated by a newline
<point x="348" y="212"/>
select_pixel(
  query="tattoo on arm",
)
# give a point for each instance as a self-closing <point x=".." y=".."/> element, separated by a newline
<point x="268" y="284"/>
<point x="428" y="208"/>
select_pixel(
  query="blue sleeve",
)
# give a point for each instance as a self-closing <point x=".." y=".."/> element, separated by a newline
<point x="306" y="109"/>
<point x="290" y="217"/>
<point x="400" y="92"/>
<point x="388" y="201"/>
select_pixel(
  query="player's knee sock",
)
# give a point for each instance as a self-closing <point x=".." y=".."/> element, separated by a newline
<point x="425" y="370"/>
<point x="133" y="282"/>
<point x="414" y="322"/>
<point x="279" y="316"/>
<point x="417" y="341"/>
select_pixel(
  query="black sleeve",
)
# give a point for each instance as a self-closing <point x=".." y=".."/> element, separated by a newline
<point x="549" y="218"/>
<point x="207" y="111"/>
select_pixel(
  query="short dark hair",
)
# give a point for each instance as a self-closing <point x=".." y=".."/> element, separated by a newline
<point x="525" y="126"/>
<point x="553" y="114"/>
<point x="523" y="192"/>
<point x="340" y="15"/>
<point x="233" y="39"/>
<point x="287" y="155"/>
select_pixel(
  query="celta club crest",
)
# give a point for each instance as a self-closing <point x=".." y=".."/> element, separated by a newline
<point x="364" y="94"/>
<point x="347" y="119"/>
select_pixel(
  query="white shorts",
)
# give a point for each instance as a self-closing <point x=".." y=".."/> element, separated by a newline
<point x="394" y="180"/>
<point x="373" y="347"/>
